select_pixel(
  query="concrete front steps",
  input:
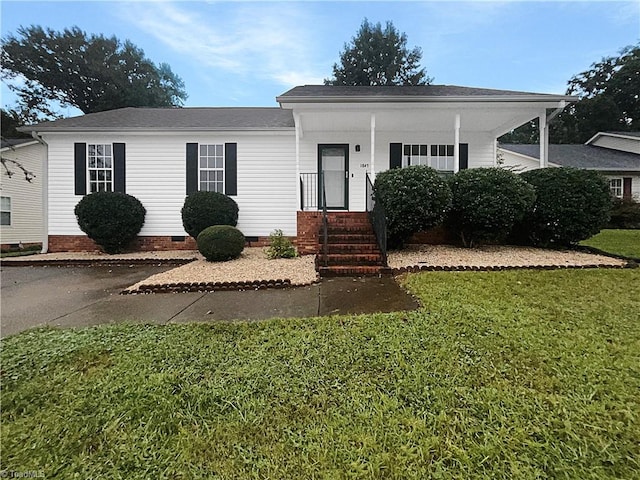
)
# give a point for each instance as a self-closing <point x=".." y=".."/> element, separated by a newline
<point x="352" y="249"/>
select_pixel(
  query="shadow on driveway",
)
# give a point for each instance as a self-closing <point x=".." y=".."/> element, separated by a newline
<point x="84" y="296"/>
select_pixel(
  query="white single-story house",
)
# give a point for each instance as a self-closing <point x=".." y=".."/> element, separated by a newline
<point x="269" y="159"/>
<point x="615" y="154"/>
<point x="21" y="202"/>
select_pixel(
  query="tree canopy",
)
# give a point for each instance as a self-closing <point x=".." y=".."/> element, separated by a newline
<point x="609" y="100"/>
<point x="379" y="56"/>
<point x="91" y="72"/>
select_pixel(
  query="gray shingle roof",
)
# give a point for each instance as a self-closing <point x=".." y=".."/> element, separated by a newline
<point x="408" y="93"/>
<point x="582" y="156"/>
<point x="174" y="119"/>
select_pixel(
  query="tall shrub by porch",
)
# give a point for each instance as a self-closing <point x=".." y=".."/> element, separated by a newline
<point x="571" y="205"/>
<point x="487" y="203"/>
<point x="414" y="198"/>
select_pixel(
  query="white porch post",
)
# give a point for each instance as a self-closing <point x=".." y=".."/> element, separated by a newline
<point x="544" y="139"/>
<point x="456" y="145"/>
<point x="296" y="121"/>
<point x="373" y="146"/>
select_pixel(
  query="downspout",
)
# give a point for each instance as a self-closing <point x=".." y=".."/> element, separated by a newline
<point x="45" y="193"/>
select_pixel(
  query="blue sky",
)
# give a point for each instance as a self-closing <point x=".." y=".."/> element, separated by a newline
<point x="247" y="53"/>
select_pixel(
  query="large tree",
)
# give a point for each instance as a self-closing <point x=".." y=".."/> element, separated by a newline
<point x="91" y="72"/>
<point x="609" y="95"/>
<point x="609" y="100"/>
<point x="379" y="56"/>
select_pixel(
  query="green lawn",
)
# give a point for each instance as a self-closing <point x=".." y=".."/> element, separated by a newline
<point x="501" y="375"/>
<point x="621" y="242"/>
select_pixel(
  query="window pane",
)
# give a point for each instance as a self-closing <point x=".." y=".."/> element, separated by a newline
<point x="407" y="149"/>
<point x="107" y="162"/>
<point x="92" y="162"/>
<point x="107" y="149"/>
<point x="5" y="204"/>
<point x="218" y="176"/>
<point x="219" y="150"/>
<point x="423" y="150"/>
<point x="434" y="150"/>
<point x="203" y="162"/>
<point x="108" y="175"/>
<point x="219" y="162"/>
<point x="99" y="150"/>
<point x="100" y="162"/>
<point x="450" y="150"/>
<point x="415" y="149"/>
<point x="93" y="175"/>
<point x="442" y="150"/>
<point x="5" y="218"/>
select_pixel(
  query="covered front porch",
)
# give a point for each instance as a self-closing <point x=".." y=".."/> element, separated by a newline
<point x="339" y="150"/>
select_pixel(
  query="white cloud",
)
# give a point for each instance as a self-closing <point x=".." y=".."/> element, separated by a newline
<point x="268" y="41"/>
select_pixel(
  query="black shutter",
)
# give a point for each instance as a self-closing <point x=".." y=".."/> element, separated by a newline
<point x="119" y="167"/>
<point x="626" y="187"/>
<point x="192" y="168"/>
<point x="231" y="168"/>
<point x="80" y="168"/>
<point x="463" y="156"/>
<point x="395" y="155"/>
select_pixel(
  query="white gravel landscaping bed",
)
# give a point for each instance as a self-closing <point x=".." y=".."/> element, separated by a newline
<point x="493" y="255"/>
<point x="252" y="265"/>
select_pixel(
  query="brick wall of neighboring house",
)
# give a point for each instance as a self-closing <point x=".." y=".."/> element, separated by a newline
<point x="309" y="224"/>
<point x="82" y="243"/>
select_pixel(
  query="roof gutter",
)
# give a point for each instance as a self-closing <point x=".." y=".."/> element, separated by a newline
<point x="426" y="99"/>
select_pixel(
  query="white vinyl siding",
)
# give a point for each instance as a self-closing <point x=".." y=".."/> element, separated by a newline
<point x="618" y="143"/>
<point x="27" y="224"/>
<point x="156" y="175"/>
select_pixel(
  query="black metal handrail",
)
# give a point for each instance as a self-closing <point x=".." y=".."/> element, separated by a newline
<point x="378" y="219"/>
<point x="325" y="222"/>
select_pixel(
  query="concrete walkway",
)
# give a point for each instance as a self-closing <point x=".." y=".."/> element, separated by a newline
<point x="83" y="296"/>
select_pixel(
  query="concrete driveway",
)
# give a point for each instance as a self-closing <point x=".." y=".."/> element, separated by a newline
<point x="83" y="296"/>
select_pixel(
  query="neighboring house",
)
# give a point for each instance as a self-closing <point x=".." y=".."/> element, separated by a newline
<point x="268" y="159"/>
<point x="21" y="205"/>
<point x="615" y="154"/>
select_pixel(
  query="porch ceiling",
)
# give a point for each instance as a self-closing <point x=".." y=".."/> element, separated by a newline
<point x="494" y="119"/>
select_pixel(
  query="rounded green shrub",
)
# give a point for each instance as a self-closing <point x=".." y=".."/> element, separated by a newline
<point x="219" y="243"/>
<point x="204" y="209"/>
<point x="414" y="198"/>
<point x="625" y="214"/>
<point x="487" y="203"/>
<point x="110" y="219"/>
<point x="571" y="205"/>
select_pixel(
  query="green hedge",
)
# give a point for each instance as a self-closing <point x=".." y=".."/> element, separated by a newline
<point x="414" y="198"/>
<point x="487" y="203"/>
<point x="571" y="205"/>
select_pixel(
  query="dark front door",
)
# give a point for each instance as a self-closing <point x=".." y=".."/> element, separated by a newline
<point x="333" y="163"/>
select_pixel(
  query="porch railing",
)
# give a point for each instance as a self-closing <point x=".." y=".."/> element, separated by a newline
<point x="325" y="223"/>
<point x="308" y="191"/>
<point x="378" y="219"/>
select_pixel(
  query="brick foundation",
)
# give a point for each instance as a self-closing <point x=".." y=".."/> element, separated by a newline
<point x="17" y="246"/>
<point x="82" y="243"/>
<point x="308" y="241"/>
<point x="439" y="235"/>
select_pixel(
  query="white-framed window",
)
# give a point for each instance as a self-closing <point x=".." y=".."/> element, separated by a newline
<point x="415" y="154"/>
<point x="615" y="186"/>
<point x="211" y="168"/>
<point x="442" y="157"/>
<point x="100" y="167"/>
<point x="435" y="156"/>
<point x="5" y="211"/>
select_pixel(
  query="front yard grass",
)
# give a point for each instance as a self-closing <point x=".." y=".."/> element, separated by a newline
<point x="620" y="242"/>
<point x="518" y="374"/>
